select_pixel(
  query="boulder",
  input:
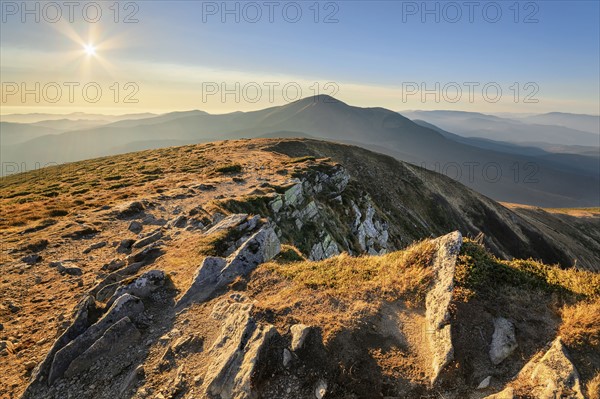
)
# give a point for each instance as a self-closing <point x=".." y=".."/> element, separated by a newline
<point x="142" y="287"/>
<point x="437" y="302"/>
<point x="115" y="339"/>
<point x="31" y="259"/>
<point x="236" y="354"/>
<point x="504" y="341"/>
<point x="554" y="375"/>
<point x="135" y="227"/>
<point x="92" y="247"/>
<point x="125" y="306"/>
<point x="155" y="236"/>
<point x="217" y="272"/>
<point x="299" y="334"/>
<point x="228" y="223"/>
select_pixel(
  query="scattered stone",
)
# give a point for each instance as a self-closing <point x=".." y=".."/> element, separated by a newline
<point x="504" y="341"/>
<point x="299" y="334"/>
<point x="205" y="187"/>
<point x="148" y="240"/>
<point x="30" y="365"/>
<point x="228" y="223"/>
<point x="179" y="222"/>
<point x="36" y="246"/>
<point x="31" y="259"/>
<point x="135" y="227"/>
<point x="321" y="389"/>
<point x="287" y="357"/>
<point x="485" y="383"/>
<point x="141" y="287"/>
<point x="113" y="265"/>
<point x="130" y="210"/>
<point x="13" y="308"/>
<point x="554" y="375"/>
<point x="125" y="246"/>
<point x="72" y="270"/>
<point x="81" y="233"/>
<point x="92" y="247"/>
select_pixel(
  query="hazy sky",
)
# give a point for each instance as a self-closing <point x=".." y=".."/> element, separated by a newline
<point x="543" y="56"/>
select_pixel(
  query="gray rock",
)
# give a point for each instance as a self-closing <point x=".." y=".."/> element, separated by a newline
<point x="32" y="259"/>
<point x="485" y="383"/>
<point x="130" y="210"/>
<point x="276" y="204"/>
<point x="293" y="196"/>
<point x="228" y="223"/>
<point x="92" y="247"/>
<point x="142" y="287"/>
<point x="83" y="318"/>
<point x="70" y="270"/>
<point x="299" y="334"/>
<point x="287" y="357"/>
<point x="157" y="235"/>
<point x="236" y="354"/>
<point x="113" y="265"/>
<point x="504" y="341"/>
<point x="115" y="339"/>
<point x="321" y="389"/>
<point x="554" y="374"/>
<point x="218" y="272"/>
<point x="438" y="299"/>
<point x="132" y="380"/>
<point x="125" y="306"/>
<point x="204" y="282"/>
<point x="125" y="246"/>
<point x="135" y="227"/>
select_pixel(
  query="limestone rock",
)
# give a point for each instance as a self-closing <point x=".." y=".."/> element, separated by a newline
<point x="438" y="299"/>
<point x="116" y="338"/>
<point x="157" y="235"/>
<point x="135" y="227"/>
<point x="299" y="334"/>
<point x="554" y="375"/>
<point x="236" y="354"/>
<point x="485" y="382"/>
<point x="125" y="306"/>
<point x="228" y="223"/>
<point x="141" y="287"/>
<point x="504" y="341"/>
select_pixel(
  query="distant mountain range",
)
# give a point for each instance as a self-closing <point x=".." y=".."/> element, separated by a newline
<point x="494" y="163"/>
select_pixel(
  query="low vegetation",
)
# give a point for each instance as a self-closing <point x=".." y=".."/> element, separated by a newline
<point x="480" y="273"/>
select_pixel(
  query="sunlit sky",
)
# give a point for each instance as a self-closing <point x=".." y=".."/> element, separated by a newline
<point x="180" y="55"/>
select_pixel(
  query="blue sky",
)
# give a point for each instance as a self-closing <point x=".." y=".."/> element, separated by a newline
<point x="373" y="50"/>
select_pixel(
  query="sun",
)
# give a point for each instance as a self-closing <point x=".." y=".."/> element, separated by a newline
<point x="89" y="49"/>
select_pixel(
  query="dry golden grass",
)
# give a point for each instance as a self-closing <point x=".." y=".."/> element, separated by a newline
<point x="593" y="387"/>
<point x="580" y="326"/>
<point x="343" y="291"/>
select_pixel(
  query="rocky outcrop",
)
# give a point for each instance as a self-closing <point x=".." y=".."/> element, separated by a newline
<point x="504" y="341"/>
<point x="236" y="352"/>
<point x="305" y="207"/>
<point x="125" y="306"/>
<point x="215" y="272"/>
<point x="549" y="376"/>
<point x="372" y="234"/>
<point x="438" y="300"/>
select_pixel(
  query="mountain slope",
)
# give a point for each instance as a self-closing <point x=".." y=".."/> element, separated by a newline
<point x="220" y="270"/>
